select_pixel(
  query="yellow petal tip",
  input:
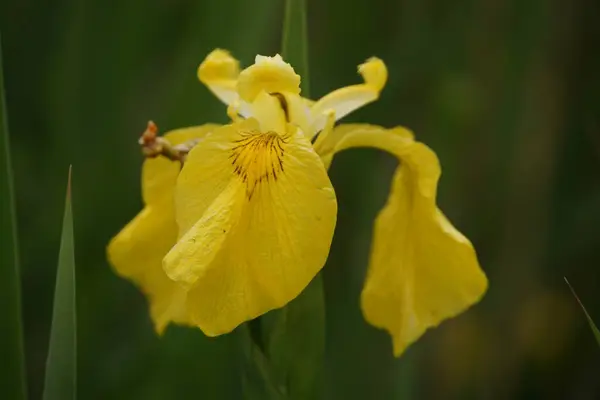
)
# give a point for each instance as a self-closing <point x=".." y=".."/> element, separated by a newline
<point x="401" y="340"/>
<point x="269" y="74"/>
<point x="160" y="328"/>
<point x="219" y="65"/>
<point x="374" y="72"/>
<point x="174" y="264"/>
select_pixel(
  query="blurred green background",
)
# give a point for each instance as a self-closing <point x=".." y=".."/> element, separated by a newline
<point x="507" y="92"/>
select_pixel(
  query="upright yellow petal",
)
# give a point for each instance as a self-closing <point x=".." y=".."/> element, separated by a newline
<point x="136" y="253"/>
<point x="345" y="100"/>
<point x="275" y="110"/>
<point x="269" y="74"/>
<point x="422" y="270"/>
<point x="268" y="111"/>
<point x="298" y="112"/>
<point x="219" y="72"/>
<point x="256" y="213"/>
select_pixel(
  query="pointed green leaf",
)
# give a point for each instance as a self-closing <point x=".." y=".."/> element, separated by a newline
<point x="61" y="366"/>
<point x="12" y="380"/>
<point x="589" y="319"/>
<point x="294" y="48"/>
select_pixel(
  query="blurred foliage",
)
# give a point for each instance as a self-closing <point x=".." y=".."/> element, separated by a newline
<point x="506" y="91"/>
<point x="12" y="381"/>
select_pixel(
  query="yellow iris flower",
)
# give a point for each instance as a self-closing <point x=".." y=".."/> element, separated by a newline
<point x="256" y="210"/>
<point x="137" y="251"/>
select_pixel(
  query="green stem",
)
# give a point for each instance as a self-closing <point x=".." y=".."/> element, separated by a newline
<point x="294" y="47"/>
<point x="259" y="381"/>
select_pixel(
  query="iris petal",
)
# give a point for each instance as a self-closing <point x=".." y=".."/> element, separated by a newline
<point x="136" y="253"/>
<point x="256" y="213"/>
<point x="269" y="74"/>
<point x="219" y="72"/>
<point x="160" y="174"/>
<point x="422" y="270"/>
<point x="269" y="113"/>
<point x="346" y="100"/>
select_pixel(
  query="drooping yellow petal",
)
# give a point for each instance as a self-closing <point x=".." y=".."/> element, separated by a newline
<point x="422" y="270"/>
<point x="345" y="100"/>
<point x="256" y="213"/>
<point x="269" y="74"/>
<point x="136" y="253"/>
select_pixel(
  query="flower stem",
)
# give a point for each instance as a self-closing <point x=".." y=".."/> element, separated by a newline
<point x="294" y="48"/>
<point x="154" y="146"/>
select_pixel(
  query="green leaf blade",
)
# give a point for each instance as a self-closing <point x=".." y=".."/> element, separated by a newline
<point x="61" y="366"/>
<point x="258" y="378"/>
<point x="286" y="361"/>
<point x="296" y="342"/>
<point x="593" y="326"/>
<point x="294" y="48"/>
<point x="12" y="381"/>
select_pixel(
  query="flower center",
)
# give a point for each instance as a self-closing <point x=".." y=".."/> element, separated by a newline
<point x="257" y="157"/>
